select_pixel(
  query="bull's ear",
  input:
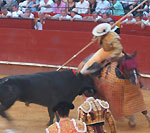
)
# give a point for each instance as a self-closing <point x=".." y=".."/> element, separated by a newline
<point x="134" y="54"/>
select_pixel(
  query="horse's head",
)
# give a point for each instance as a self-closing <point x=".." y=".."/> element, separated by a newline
<point x="128" y="67"/>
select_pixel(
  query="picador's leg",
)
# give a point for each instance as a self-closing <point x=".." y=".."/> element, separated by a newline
<point x="147" y="115"/>
<point x="132" y="121"/>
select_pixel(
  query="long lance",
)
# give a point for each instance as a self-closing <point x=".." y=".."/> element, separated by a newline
<point x="94" y="40"/>
<point x="129" y="13"/>
<point x="74" y="56"/>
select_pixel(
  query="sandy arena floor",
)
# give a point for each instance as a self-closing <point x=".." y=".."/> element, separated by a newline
<point x="33" y="119"/>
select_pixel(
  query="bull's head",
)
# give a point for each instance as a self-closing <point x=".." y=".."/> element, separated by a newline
<point x="94" y="70"/>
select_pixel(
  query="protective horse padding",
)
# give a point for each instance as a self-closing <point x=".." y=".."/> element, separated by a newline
<point x="124" y="98"/>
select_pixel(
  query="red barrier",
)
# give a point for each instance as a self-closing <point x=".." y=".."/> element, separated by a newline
<point x="55" y="47"/>
<point x="84" y="26"/>
<point x="134" y="29"/>
<point x="65" y="25"/>
<point x="16" y="23"/>
<point x="47" y="47"/>
<point x="140" y="44"/>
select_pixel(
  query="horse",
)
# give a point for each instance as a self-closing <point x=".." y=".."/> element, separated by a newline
<point x="119" y="84"/>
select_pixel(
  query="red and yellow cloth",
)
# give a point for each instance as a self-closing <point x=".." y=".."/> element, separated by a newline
<point x="124" y="98"/>
<point x="67" y="126"/>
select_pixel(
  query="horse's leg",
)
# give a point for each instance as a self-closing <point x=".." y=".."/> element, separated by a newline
<point x="132" y="121"/>
<point x="147" y="115"/>
<point x="51" y="115"/>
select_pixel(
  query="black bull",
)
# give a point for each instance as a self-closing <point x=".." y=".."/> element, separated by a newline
<point x="45" y="88"/>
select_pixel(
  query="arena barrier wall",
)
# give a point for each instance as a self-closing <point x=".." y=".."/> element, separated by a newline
<point x="84" y="26"/>
<point x="55" y="47"/>
<point x="16" y="23"/>
<point x="134" y="29"/>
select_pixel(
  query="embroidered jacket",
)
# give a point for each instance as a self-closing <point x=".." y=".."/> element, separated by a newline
<point x="94" y="112"/>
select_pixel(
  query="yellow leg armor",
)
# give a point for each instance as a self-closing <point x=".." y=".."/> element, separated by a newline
<point x="98" y="57"/>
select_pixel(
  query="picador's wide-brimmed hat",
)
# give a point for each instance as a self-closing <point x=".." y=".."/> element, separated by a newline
<point x="101" y="29"/>
<point x="63" y="104"/>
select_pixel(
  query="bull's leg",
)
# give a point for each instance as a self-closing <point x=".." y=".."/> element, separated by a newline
<point x="3" y="114"/>
<point x="132" y="121"/>
<point x="57" y="117"/>
<point x="6" y="102"/>
<point x="51" y="115"/>
<point x="5" y="106"/>
<point x="145" y="112"/>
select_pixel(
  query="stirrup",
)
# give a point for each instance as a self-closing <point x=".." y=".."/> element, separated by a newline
<point x="132" y="123"/>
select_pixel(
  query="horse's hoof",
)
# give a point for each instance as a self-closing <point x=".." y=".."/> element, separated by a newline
<point x="148" y="118"/>
<point x="132" y="124"/>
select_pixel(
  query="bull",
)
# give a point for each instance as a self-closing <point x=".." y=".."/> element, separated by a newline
<point x="44" y="88"/>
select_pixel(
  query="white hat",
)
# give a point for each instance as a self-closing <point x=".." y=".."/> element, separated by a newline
<point x="101" y="29"/>
<point x="75" y="10"/>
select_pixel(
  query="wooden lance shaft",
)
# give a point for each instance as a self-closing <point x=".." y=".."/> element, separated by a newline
<point x="94" y="40"/>
<point x="90" y="43"/>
